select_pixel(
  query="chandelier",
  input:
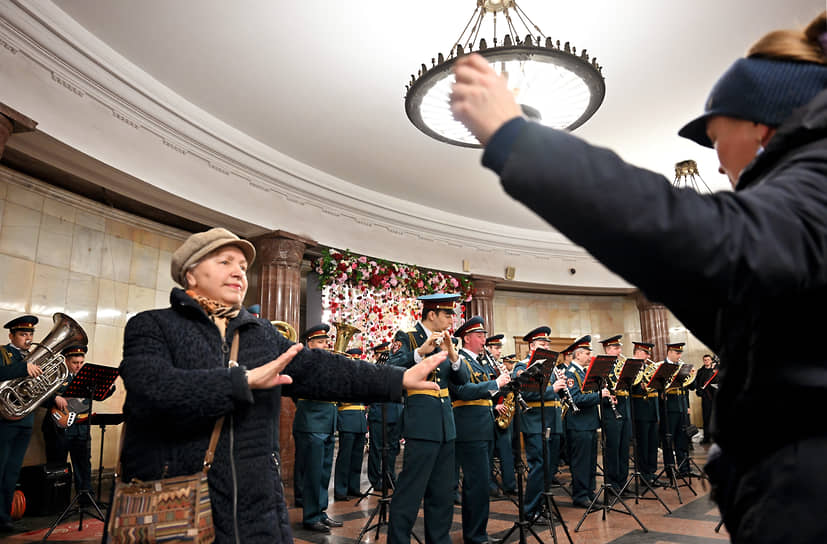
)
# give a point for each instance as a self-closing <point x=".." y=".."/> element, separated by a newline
<point x="553" y="84"/>
<point x="687" y="175"/>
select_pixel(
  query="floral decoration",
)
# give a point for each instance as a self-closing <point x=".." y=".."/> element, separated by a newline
<point x="379" y="296"/>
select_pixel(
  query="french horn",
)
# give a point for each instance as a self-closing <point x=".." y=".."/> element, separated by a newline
<point x="286" y="329"/>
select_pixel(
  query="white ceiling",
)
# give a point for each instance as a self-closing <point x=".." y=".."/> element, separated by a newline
<point x="323" y="81"/>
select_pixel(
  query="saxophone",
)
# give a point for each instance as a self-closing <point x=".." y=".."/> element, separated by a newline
<point x="503" y="418"/>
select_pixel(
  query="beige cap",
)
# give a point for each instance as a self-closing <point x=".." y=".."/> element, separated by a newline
<point x="202" y="243"/>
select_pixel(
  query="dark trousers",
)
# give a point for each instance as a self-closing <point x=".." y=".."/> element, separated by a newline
<point x="706" y="410"/>
<point x="674" y="421"/>
<point x="394" y="432"/>
<point x="427" y="473"/>
<point x="647" y="448"/>
<point x="503" y="454"/>
<point x="14" y="439"/>
<point x="534" y="456"/>
<point x="473" y="461"/>
<point x="583" y="450"/>
<point x="316" y="449"/>
<point x="616" y="453"/>
<point x="349" y="464"/>
<point x="77" y="444"/>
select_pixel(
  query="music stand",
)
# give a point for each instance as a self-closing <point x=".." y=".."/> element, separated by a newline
<point x="625" y="381"/>
<point x="595" y="380"/>
<point x="102" y="420"/>
<point x="92" y="382"/>
<point x="661" y="380"/>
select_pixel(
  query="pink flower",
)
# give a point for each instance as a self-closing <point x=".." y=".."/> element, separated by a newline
<point x="454" y="282"/>
<point x="420" y="284"/>
<point x="393" y="281"/>
<point x="363" y="259"/>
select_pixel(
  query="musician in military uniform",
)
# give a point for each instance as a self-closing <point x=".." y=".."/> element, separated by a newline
<point x="428" y="427"/>
<point x="647" y="415"/>
<point x="502" y="437"/>
<point x="314" y="425"/>
<point x="14" y="435"/>
<point x="531" y="425"/>
<point x="352" y="426"/>
<point x="673" y="418"/>
<point x="706" y="386"/>
<point x="582" y="426"/>
<point x="76" y="439"/>
<point x="474" y="417"/>
<point x="618" y="432"/>
<point x="393" y="426"/>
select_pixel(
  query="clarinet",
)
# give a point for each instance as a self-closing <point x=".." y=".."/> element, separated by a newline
<point x="567" y="398"/>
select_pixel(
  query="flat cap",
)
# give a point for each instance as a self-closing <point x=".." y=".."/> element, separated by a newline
<point x="201" y="244"/>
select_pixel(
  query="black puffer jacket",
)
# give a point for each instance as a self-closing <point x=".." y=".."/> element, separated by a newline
<point x="177" y="385"/>
<point x="745" y="271"/>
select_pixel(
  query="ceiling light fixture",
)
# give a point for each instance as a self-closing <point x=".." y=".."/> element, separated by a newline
<point x="687" y="175"/>
<point x="552" y="83"/>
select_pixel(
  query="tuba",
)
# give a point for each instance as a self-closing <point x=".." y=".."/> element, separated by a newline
<point x="286" y="329"/>
<point x="20" y="396"/>
<point x="344" y="333"/>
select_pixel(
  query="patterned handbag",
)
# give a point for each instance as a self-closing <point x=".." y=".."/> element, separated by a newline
<point x="169" y="510"/>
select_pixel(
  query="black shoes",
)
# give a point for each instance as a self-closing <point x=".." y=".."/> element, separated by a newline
<point x="330" y="522"/>
<point x="581" y="503"/>
<point x="317" y="527"/>
<point x="341" y="498"/>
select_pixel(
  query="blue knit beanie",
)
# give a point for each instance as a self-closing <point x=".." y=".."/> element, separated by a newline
<point x="762" y="90"/>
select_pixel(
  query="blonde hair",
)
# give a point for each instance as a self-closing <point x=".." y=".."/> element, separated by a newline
<point x="795" y="45"/>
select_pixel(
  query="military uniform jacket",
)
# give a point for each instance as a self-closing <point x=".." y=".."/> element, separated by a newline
<point x="645" y="404"/>
<point x="315" y="416"/>
<point x="351" y="418"/>
<point x="393" y="412"/>
<point x="13" y="365"/>
<point x="472" y="401"/>
<point x="676" y="400"/>
<point x="587" y="418"/>
<point x="428" y="414"/>
<point x="531" y="420"/>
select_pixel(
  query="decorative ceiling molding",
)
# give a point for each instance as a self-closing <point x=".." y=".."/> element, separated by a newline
<point x="79" y="62"/>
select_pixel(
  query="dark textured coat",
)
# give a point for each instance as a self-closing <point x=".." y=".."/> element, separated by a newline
<point x="743" y="270"/>
<point x="177" y="385"/>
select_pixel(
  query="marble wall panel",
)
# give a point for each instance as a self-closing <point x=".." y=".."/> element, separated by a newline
<point x="116" y="258"/>
<point x="113" y="300"/>
<point x="15" y="283"/>
<point x="90" y="220"/>
<point x="82" y="297"/>
<point x="140" y="299"/>
<point x="49" y="289"/>
<point x="59" y="209"/>
<point x="87" y="249"/>
<point x="163" y="281"/>
<point x="20" y="228"/>
<point x="54" y="244"/>
<point x="24" y="197"/>
<point x="144" y="267"/>
<point x="108" y="349"/>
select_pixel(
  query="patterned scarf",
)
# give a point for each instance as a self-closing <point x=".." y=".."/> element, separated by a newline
<point x="219" y="313"/>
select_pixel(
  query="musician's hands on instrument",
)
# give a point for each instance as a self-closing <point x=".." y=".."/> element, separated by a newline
<point x="430" y="344"/>
<point x="416" y="377"/>
<point x="269" y="375"/>
<point x="502" y="380"/>
<point x="559" y="384"/>
<point x="480" y="99"/>
<point x="448" y="346"/>
<point x="500" y="408"/>
<point x="61" y="402"/>
<point x="605" y="393"/>
<point x="33" y="370"/>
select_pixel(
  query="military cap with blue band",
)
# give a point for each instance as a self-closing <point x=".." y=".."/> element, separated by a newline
<point x="75" y="350"/>
<point x="354" y="353"/>
<point x="496" y="340"/>
<point x="23" y="323"/>
<point x="584" y="342"/>
<point x="474" y="324"/>
<point x="540" y="333"/>
<point x="317" y="331"/>
<point x="438" y="301"/>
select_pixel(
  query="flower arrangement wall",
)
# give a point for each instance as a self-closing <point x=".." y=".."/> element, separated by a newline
<point x="379" y="296"/>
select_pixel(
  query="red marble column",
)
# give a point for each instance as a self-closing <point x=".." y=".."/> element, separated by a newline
<point x="654" y="325"/>
<point x="482" y="301"/>
<point x="279" y="258"/>
<point x="12" y="121"/>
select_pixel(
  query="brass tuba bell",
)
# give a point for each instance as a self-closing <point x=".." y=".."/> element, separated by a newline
<point x="286" y="329"/>
<point x="344" y="333"/>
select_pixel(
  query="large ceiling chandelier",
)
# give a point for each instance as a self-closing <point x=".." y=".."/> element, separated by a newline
<point x="553" y="84"/>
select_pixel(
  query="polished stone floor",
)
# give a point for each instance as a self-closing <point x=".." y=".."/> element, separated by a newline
<point x="692" y="522"/>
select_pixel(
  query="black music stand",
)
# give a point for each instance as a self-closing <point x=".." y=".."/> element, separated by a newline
<point x="538" y="373"/>
<point x="102" y="420"/>
<point x="630" y="371"/>
<point x="92" y="382"/>
<point x="595" y="381"/>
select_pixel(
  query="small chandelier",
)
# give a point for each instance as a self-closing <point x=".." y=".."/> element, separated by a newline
<point x="687" y="175"/>
<point x="553" y="84"/>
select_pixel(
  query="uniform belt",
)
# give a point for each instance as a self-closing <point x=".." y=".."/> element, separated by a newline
<point x="536" y="403"/>
<point x="674" y="392"/>
<point x="429" y="392"/>
<point x="320" y="401"/>
<point x="478" y="402"/>
<point x="82" y="417"/>
<point x="646" y="396"/>
<point x="621" y="393"/>
<point x="343" y="407"/>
